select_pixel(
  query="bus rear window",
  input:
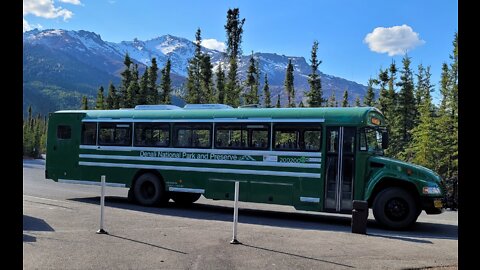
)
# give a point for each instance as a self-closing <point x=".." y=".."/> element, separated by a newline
<point x="64" y="132"/>
<point x="89" y="133"/>
<point x="115" y="134"/>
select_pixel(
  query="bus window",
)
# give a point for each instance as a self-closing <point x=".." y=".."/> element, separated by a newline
<point x="64" y="132"/>
<point x="89" y="133"/>
<point x="115" y="134"/>
<point x="192" y="135"/>
<point x="152" y="134"/>
<point x="242" y="136"/>
<point x="297" y="137"/>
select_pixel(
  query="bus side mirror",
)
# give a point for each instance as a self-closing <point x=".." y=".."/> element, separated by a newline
<point x="384" y="140"/>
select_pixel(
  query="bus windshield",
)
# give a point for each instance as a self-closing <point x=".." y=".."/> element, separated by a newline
<point x="371" y="140"/>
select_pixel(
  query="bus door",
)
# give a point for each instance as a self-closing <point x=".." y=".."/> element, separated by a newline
<point x="340" y="165"/>
<point x="62" y="146"/>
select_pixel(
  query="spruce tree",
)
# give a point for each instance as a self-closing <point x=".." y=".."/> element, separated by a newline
<point x="345" y="99"/>
<point x="143" y="91"/>
<point x="383" y="99"/>
<point x="315" y="95"/>
<point x="278" y="105"/>
<point x="234" y="31"/>
<point x="406" y="110"/>
<point x="220" y="84"/>
<point x="152" y="96"/>
<point x="288" y="83"/>
<point x="251" y="95"/>
<point x="194" y="91"/>
<point x="266" y="93"/>
<point x="112" y="98"/>
<point x="206" y="86"/>
<point x="100" y="104"/>
<point x="301" y="105"/>
<point x="332" y="102"/>
<point x="126" y="79"/>
<point x="390" y="113"/>
<point x="166" y="83"/>
<point x="357" y="102"/>
<point x="84" y="103"/>
<point x="130" y="99"/>
<point x="369" y="99"/>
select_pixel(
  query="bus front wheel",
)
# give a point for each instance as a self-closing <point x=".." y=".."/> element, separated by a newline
<point x="395" y="208"/>
<point x="149" y="190"/>
<point x="185" y="198"/>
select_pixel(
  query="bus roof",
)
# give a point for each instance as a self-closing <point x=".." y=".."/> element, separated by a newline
<point x="336" y="114"/>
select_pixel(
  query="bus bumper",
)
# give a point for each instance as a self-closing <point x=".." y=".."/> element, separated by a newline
<point x="433" y="205"/>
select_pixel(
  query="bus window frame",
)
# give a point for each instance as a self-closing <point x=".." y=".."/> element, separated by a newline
<point x="301" y="127"/>
<point x="243" y="126"/>
<point x="174" y="134"/>
<point x="128" y="141"/>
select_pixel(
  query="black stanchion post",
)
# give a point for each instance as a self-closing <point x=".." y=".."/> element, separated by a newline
<point x="359" y="217"/>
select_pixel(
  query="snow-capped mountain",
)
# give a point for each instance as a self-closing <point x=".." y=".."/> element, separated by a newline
<point x="82" y="61"/>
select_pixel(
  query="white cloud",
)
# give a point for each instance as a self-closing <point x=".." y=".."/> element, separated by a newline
<point x="73" y="2"/>
<point x="45" y="9"/>
<point x="393" y="40"/>
<point x="28" y="27"/>
<point x="214" y="44"/>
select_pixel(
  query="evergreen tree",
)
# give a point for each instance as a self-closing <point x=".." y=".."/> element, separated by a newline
<point x="100" y="104"/>
<point x="332" y="102"/>
<point x="383" y="99"/>
<point x="234" y="31"/>
<point x="266" y="93"/>
<point x="425" y="142"/>
<point x="126" y="79"/>
<point x="112" y="98"/>
<point x="165" y="85"/>
<point x="194" y="91"/>
<point x="84" y="103"/>
<point x="251" y="96"/>
<point x="369" y="99"/>
<point x="406" y="110"/>
<point x="288" y="83"/>
<point x="390" y="113"/>
<point x="357" y="102"/>
<point x="345" y="99"/>
<point x="206" y="86"/>
<point x="143" y="91"/>
<point x="130" y="99"/>
<point x="152" y="96"/>
<point x="220" y="84"/>
<point x="315" y="95"/>
<point x="278" y="102"/>
<point x="301" y="105"/>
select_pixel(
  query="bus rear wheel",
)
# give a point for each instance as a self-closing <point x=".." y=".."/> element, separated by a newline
<point x="184" y="198"/>
<point x="395" y="208"/>
<point x="149" y="190"/>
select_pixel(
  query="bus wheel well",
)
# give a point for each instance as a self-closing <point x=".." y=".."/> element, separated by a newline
<point x="392" y="182"/>
<point x="143" y="171"/>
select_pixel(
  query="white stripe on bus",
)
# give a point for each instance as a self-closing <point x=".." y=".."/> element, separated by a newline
<point x="87" y="182"/>
<point x="213" y="120"/>
<point x="190" y="190"/>
<point x="207" y="161"/>
<point x="200" y="169"/>
<point x="208" y="150"/>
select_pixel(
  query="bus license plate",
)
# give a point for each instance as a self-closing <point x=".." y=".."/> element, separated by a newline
<point x="438" y="203"/>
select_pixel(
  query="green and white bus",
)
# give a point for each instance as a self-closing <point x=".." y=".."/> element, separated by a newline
<point x="317" y="159"/>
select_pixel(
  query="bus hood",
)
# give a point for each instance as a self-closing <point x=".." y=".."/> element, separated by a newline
<point x="410" y="169"/>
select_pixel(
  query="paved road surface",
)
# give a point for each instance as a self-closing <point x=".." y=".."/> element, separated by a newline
<point x="60" y="220"/>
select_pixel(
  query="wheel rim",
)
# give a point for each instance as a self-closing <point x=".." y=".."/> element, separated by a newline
<point x="147" y="190"/>
<point x="396" y="209"/>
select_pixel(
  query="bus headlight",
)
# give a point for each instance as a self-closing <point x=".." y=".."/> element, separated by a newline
<point x="432" y="190"/>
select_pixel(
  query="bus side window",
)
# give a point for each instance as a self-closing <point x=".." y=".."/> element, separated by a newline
<point x="89" y="133"/>
<point x="115" y="134"/>
<point x="192" y="135"/>
<point x="297" y="137"/>
<point x="152" y="134"/>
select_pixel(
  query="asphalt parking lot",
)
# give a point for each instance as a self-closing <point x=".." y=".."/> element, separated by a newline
<point x="60" y="221"/>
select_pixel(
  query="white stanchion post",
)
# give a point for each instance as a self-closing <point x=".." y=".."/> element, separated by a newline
<point x="235" y="214"/>
<point x="102" y="207"/>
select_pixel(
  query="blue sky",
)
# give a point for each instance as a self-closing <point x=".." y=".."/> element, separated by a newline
<point x="424" y="28"/>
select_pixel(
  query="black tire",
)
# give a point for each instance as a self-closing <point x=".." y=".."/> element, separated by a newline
<point x="131" y="196"/>
<point x="149" y="190"/>
<point x="395" y="208"/>
<point x="185" y="198"/>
